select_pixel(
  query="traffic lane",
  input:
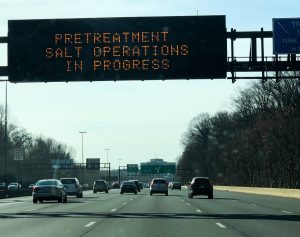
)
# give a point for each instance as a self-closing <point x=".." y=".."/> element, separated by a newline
<point x="158" y="215"/>
<point x="70" y="219"/>
<point x="238" y="213"/>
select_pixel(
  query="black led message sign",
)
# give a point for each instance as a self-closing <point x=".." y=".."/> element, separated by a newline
<point x="100" y="49"/>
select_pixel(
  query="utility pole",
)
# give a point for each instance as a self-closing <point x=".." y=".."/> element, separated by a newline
<point x="82" y="157"/>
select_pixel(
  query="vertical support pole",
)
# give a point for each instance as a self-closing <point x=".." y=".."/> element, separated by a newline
<point x="5" y="138"/>
<point x="119" y="176"/>
<point x="232" y="38"/>
<point x="262" y="55"/>
<point x="109" y="173"/>
<point x="253" y="55"/>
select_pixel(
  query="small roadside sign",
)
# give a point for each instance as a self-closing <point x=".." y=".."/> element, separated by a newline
<point x="18" y="154"/>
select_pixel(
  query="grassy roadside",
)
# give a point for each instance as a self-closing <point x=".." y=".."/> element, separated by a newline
<point x="279" y="192"/>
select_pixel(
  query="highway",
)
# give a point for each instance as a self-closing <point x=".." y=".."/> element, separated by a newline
<point x="228" y="214"/>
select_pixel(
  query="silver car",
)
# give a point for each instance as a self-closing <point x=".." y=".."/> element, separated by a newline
<point x="159" y="185"/>
<point x="72" y="186"/>
<point x="49" y="189"/>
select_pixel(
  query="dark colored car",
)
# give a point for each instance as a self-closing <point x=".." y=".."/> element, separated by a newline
<point x="49" y="189"/>
<point x="200" y="186"/>
<point x="128" y="187"/>
<point x="100" y="186"/>
<point x="175" y="185"/>
<point x="115" y="185"/>
<point x="136" y="182"/>
<point x="141" y="186"/>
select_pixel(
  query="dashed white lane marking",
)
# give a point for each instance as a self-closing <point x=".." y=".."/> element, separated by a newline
<point x="182" y="200"/>
<point x="131" y="199"/>
<point x="198" y="211"/>
<point x="113" y="209"/>
<point x="125" y="203"/>
<point x="30" y="210"/>
<point x="9" y="204"/>
<point x="90" y="224"/>
<point x="220" y="225"/>
<point x="188" y="204"/>
<point x="287" y="212"/>
<point x="252" y="204"/>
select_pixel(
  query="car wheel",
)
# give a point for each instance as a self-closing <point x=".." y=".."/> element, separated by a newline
<point x="94" y="191"/>
<point x="59" y="200"/>
<point x="106" y="191"/>
<point x="65" y="199"/>
<point x="135" y="193"/>
<point x="211" y="196"/>
<point x="81" y="195"/>
<point x="121" y="192"/>
<point x="150" y="193"/>
<point x="41" y="200"/>
<point x="167" y="194"/>
<point x="34" y="200"/>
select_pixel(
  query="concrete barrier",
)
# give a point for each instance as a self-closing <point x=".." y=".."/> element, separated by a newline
<point x="279" y="192"/>
<point x="15" y="193"/>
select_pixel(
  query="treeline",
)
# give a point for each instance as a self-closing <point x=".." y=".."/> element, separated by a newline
<point x="256" y="144"/>
<point x="38" y="153"/>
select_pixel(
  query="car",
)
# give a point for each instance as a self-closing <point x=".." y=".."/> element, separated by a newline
<point x="136" y="184"/>
<point x="115" y="185"/>
<point x="30" y="186"/>
<point x="49" y="189"/>
<point x="128" y="187"/>
<point x="2" y="186"/>
<point x="100" y="186"/>
<point x="141" y="186"/>
<point x="14" y="186"/>
<point x="175" y="185"/>
<point x="159" y="185"/>
<point x="201" y="186"/>
<point x="72" y="186"/>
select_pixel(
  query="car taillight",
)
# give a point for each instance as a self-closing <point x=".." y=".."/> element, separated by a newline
<point x="35" y="188"/>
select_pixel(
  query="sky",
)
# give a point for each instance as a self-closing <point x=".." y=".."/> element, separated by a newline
<point x="135" y="120"/>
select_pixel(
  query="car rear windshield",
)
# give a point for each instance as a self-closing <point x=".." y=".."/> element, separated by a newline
<point x="202" y="181"/>
<point x="47" y="182"/>
<point x="68" y="181"/>
<point x="159" y="181"/>
<point x="100" y="182"/>
<point x="127" y="183"/>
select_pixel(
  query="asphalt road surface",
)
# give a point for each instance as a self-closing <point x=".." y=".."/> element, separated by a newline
<point x="228" y="214"/>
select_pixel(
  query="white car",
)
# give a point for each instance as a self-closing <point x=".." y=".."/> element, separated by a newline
<point x="159" y="185"/>
<point x="14" y="186"/>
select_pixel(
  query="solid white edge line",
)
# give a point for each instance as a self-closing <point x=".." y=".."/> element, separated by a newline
<point x="9" y="204"/>
<point x="287" y="212"/>
<point x="220" y="225"/>
<point x="90" y="224"/>
<point x="30" y="210"/>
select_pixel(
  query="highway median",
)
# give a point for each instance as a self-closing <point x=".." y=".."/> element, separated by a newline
<point x="279" y="192"/>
